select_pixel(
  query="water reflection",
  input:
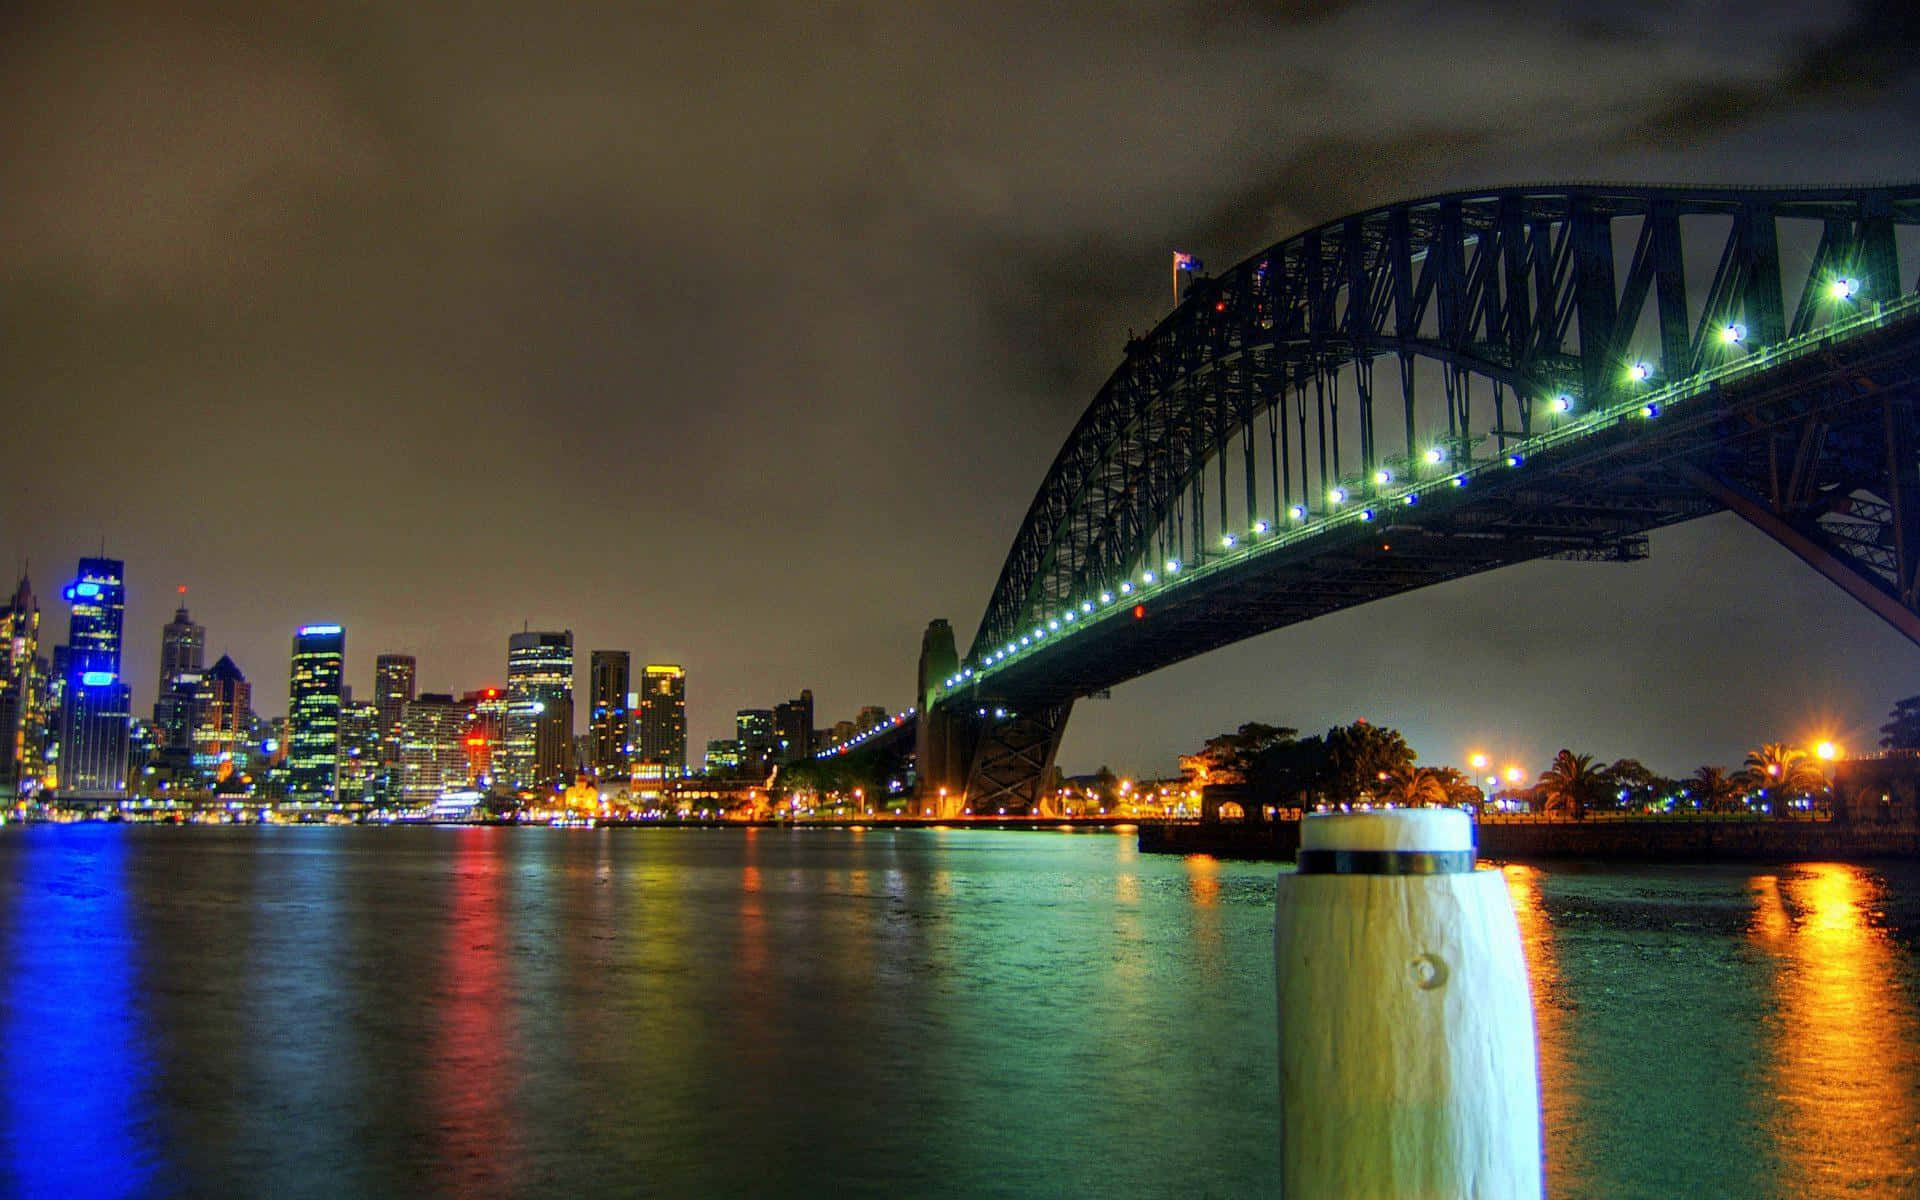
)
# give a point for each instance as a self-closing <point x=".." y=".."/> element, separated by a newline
<point x="76" y="1059"/>
<point x="470" y="1077"/>
<point x="1559" y="1090"/>
<point x="1846" y="1067"/>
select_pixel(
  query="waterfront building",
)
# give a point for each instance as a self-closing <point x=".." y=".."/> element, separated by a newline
<point x="539" y="741"/>
<point x="95" y="703"/>
<point x="363" y="769"/>
<point x="22" y="693"/>
<point x="871" y="716"/>
<point x="486" y="730"/>
<point x="841" y="732"/>
<point x="753" y="728"/>
<point x="723" y="757"/>
<point x="223" y="728"/>
<point x="610" y="732"/>
<point x="393" y="683"/>
<point x="793" y="728"/>
<point x="433" y="753"/>
<point x="315" y="694"/>
<point x="663" y="716"/>
<point x="183" y="649"/>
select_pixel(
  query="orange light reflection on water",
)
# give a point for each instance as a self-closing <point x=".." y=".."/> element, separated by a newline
<point x="1846" y="1070"/>
<point x="1559" y="1098"/>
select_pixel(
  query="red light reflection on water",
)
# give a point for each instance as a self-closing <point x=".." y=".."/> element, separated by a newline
<point x="472" y="1069"/>
<point x="1846" y="1069"/>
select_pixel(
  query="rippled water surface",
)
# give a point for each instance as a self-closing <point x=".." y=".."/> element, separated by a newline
<point x="476" y="1012"/>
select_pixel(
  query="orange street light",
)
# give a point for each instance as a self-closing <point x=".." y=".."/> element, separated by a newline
<point x="1478" y="761"/>
<point x="1827" y="751"/>
<point x="1515" y="774"/>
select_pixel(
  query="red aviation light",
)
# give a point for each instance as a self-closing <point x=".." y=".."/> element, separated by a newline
<point x="1139" y="612"/>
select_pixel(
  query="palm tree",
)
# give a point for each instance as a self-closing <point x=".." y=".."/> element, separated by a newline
<point x="1778" y="769"/>
<point x="1415" y="787"/>
<point x="1713" y="788"/>
<point x="1569" y="785"/>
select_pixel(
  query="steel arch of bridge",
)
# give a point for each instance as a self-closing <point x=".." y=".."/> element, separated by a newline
<point x="1794" y="406"/>
<point x="1522" y="295"/>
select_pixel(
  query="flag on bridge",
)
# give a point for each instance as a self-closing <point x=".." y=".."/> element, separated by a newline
<point x="1182" y="261"/>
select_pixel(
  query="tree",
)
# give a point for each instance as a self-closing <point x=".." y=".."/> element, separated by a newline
<point x="1641" y="783"/>
<point x="1902" y="730"/>
<point x="1359" y="756"/>
<point x="1782" y="772"/>
<point x="1229" y="757"/>
<point x="1713" y="789"/>
<point x="1415" y="787"/>
<point x="1570" y="785"/>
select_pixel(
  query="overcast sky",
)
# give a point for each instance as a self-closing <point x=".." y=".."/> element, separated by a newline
<point x="740" y="335"/>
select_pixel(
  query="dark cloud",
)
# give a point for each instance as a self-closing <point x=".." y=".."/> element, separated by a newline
<point x="740" y="334"/>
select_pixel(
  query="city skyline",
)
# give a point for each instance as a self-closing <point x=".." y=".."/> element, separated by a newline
<point x="956" y="280"/>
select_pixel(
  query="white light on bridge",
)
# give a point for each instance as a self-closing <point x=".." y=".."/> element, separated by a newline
<point x="1106" y="597"/>
<point x="1298" y="512"/>
<point x="1844" y="288"/>
<point x="1639" y="372"/>
<point x="1733" y="334"/>
<point x="1383" y="476"/>
<point x="1338" y="495"/>
<point x="1146" y="577"/>
<point x="1563" y="403"/>
<point x="1126" y="589"/>
<point x="1173" y="566"/>
<point x="1086" y="606"/>
<point x="1229" y="541"/>
<point x="1437" y="455"/>
<point x="1261" y="527"/>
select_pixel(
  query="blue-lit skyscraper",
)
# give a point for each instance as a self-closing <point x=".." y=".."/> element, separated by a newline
<point x="313" y="712"/>
<point x="96" y="705"/>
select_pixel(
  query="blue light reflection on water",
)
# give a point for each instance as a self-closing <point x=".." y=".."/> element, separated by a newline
<point x="76" y="1060"/>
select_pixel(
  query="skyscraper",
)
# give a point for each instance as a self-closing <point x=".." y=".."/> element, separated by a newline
<point x="22" y="713"/>
<point x="793" y="728"/>
<point x="96" y="705"/>
<point x="485" y="733"/>
<point x="754" y="729"/>
<point x="539" y="708"/>
<point x="313" y="712"/>
<point x="433" y="755"/>
<point x="610" y="730"/>
<point x="663" y="717"/>
<point x="224" y="728"/>
<point x="363" y="773"/>
<point x="393" y="683"/>
<point x="183" y="649"/>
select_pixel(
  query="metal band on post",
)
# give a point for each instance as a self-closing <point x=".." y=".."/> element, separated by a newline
<point x="1384" y="862"/>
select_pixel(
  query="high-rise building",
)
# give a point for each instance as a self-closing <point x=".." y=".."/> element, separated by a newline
<point x="23" y="732"/>
<point x="183" y="650"/>
<point x="485" y="733"/>
<point x="663" y="717"/>
<point x="363" y="770"/>
<point x="223" y="732"/>
<point x="96" y="705"/>
<point x="753" y="727"/>
<point x="393" y="682"/>
<point x="539" y="745"/>
<point x="433" y="754"/>
<point x="313" y="712"/>
<point x="610" y="731"/>
<point x="723" y="757"/>
<point x="793" y="728"/>
<point x="871" y="716"/>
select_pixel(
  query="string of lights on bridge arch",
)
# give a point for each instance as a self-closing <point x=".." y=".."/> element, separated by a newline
<point x="1360" y="501"/>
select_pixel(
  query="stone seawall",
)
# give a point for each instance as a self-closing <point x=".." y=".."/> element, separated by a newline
<point x="1648" y="840"/>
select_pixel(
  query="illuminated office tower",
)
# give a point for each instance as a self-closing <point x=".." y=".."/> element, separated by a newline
<point x="486" y="717"/>
<point x="723" y="757"/>
<point x="793" y="728"/>
<point x="96" y="706"/>
<point x="183" y="650"/>
<point x="313" y="713"/>
<point x="753" y="728"/>
<point x="393" y="681"/>
<point x="363" y="771"/>
<point x="663" y="717"/>
<point x="22" y="700"/>
<point x="610" y="730"/>
<point x="223" y="729"/>
<point x="433" y="756"/>
<point x="539" y="745"/>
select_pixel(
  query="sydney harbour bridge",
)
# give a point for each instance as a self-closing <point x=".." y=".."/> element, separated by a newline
<point x="1440" y="387"/>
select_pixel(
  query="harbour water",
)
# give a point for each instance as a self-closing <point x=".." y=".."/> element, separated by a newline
<point x="475" y="1012"/>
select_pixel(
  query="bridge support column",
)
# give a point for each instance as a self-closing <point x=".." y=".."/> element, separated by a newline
<point x="1011" y="760"/>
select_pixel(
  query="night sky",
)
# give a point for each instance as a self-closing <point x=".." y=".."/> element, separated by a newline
<point x="740" y="335"/>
